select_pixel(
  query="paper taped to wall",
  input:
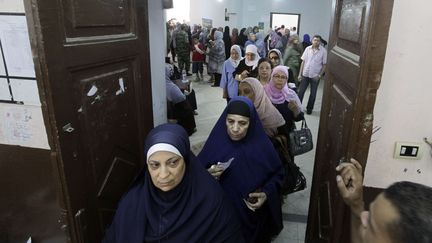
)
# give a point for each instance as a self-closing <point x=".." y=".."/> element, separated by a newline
<point x="22" y="125"/>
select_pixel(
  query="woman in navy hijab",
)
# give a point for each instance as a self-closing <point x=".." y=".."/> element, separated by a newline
<point x="253" y="178"/>
<point x="174" y="199"/>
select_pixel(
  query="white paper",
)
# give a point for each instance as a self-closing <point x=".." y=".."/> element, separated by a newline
<point x="121" y="84"/>
<point x="225" y="165"/>
<point x="92" y="91"/>
<point x="22" y="125"/>
<point x="16" y="46"/>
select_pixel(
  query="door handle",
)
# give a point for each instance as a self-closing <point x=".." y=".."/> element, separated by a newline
<point x="68" y="128"/>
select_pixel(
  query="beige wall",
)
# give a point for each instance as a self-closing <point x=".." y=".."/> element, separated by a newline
<point x="403" y="108"/>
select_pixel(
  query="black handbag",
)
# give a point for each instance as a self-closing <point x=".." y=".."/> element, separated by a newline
<point x="294" y="180"/>
<point x="301" y="140"/>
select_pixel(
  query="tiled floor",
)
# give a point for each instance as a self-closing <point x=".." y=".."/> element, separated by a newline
<point x="295" y="210"/>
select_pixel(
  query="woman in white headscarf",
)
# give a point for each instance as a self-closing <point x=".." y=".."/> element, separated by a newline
<point x="248" y="66"/>
<point x="228" y="83"/>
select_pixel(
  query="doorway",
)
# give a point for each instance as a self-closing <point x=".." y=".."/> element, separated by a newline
<point x="289" y="20"/>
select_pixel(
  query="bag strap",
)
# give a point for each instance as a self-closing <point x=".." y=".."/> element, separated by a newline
<point x="304" y="124"/>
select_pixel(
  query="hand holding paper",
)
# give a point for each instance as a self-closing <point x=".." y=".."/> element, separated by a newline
<point x="225" y="165"/>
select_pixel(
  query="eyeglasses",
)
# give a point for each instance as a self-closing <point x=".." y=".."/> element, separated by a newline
<point x="280" y="77"/>
<point x="275" y="58"/>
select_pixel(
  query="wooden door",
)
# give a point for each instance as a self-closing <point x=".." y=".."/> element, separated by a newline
<point x="92" y="65"/>
<point x="356" y="51"/>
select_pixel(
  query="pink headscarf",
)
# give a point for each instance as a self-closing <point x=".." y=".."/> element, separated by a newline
<point x="270" y="117"/>
<point x="278" y="96"/>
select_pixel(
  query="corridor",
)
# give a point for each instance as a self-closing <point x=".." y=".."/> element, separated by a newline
<point x="295" y="209"/>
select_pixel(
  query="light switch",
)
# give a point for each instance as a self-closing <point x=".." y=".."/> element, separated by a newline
<point x="407" y="150"/>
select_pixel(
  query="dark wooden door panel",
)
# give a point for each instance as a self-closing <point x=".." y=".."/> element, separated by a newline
<point x="94" y="65"/>
<point x="85" y="20"/>
<point x="348" y="99"/>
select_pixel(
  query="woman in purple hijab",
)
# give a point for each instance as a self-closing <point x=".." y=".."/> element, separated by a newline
<point x="250" y="171"/>
<point x="288" y="104"/>
<point x="173" y="199"/>
<point x="283" y="98"/>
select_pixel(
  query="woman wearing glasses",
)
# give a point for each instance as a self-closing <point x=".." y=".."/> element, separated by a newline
<point x="284" y="98"/>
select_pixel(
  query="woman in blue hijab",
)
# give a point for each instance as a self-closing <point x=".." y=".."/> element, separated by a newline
<point x="249" y="171"/>
<point x="306" y="41"/>
<point x="174" y="199"/>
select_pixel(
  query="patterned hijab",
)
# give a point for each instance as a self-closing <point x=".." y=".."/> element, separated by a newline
<point x="173" y="92"/>
<point x="218" y="35"/>
<point x="270" y="117"/>
<point x="278" y="96"/>
<point x="278" y="53"/>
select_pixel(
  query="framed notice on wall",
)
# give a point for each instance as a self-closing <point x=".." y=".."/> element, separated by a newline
<point x="207" y="23"/>
<point x="17" y="75"/>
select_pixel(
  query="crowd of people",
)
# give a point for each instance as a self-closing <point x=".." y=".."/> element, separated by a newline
<point x="230" y="57"/>
<point x="232" y="191"/>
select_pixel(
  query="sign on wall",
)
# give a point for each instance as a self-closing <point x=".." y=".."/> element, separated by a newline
<point x="22" y="125"/>
<point x="207" y="23"/>
<point x="21" y="120"/>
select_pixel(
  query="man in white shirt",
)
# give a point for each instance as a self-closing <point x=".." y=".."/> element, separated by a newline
<point x="311" y="70"/>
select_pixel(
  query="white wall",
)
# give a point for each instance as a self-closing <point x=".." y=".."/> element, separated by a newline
<point x="315" y="15"/>
<point x="215" y="10"/>
<point x="403" y="107"/>
<point x="157" y="60"/>
<point x="12" y="6"/>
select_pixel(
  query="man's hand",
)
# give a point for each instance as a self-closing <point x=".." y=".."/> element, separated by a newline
<point x="350" y="184"/>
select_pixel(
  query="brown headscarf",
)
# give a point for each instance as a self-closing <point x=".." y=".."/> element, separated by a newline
<point x="270" y="117"/>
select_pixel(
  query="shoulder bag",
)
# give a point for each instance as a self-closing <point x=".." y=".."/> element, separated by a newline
<point x="301" y="140"/>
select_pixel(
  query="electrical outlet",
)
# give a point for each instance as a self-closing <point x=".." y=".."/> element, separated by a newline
<point x="406" y="150"/>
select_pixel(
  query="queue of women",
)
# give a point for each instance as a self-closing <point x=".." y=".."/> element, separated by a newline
<point x="232" y="190"/>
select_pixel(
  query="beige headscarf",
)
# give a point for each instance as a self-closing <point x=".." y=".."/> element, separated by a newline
<point x="270" y="117"/>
